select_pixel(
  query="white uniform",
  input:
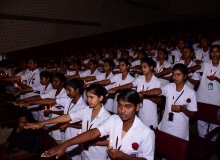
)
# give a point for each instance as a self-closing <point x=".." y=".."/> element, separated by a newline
<point x="56" y="134"/>
<point x="85" y="115"/>
<point x="216" y="42"/>
<point x="138" y="133"/>
<point x="108" y="100"/>
<point x="208" y="92"/>
<point x="177" y="55"/>
<point x="117" y="80"/>
<point x="180" y="125"/>
<point x="201" y="55"/>
<point x="148" y="110"/>
<point x="194" y="76"/>
<point x="42" y="90"/>
<point x="159" y="68"/>
<point x="32" y="79"/>
<point x="155" y="55"/>
<point x="73" y="151"/>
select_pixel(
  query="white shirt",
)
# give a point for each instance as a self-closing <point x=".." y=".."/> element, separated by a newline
<point x="201" y="55"/>
<point x="88" y="73"/>
<point x="159" y="68"/>
<point x="56" y="134"/>
<point x="177" y="55"/>
<point x="70" y="108"/>
<point x="216" y="42"/>
<point x="194" y="76"/>
<point x="155" y="55"/>
<point x="138" y="133"/>
<point x="148" y="110"/>
<point x="203" y="93"/>
<point x="84" y="115"/>
<point x="180" y="125"/>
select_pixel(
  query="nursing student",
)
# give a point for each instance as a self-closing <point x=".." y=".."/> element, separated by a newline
<point x="209" y="87"/>
<point x="91" y="117"/>
<point x="161" y="66"/>
<point x="125" y="131"/>
<point x="71" y="104"/>
<point x="107" y="68"/>
<point x="180" y="105"/>
<point x="148" y="108"/>
<point x="119" y="79"/>
<point x="29" y="79"/>
<point x="59" y="91"/>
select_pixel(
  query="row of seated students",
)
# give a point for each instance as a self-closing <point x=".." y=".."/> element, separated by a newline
<point x="184" y="76"/>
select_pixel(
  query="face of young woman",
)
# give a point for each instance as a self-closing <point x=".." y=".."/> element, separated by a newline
<point x="126" y="110"/>
<point x="204" y="43"/>
<point x="124" y="55"/>
<point x="75" y="67"/>
<point x="140" y="55"/>
<point x="89" y="55"/>
<point x="187" y="54"/>
<point x="145" y="68"/>
<point x="215" y="53"/>
<point x="107" y="67"/>
<point x="22" y="121"/>
<point x="71" y="92"/>
<point x="148" y="47"/>
<point x="44" y="81"/>
<point x="97" y="57"/>
<point x="181" y="44"/>
<point x="123" y="67"/>
<point x="93" y="100"/>
<point x="92" y="66"/>
<point x="57" y="83"/>
<point x="161" y="55"/>
<point x="178" y="77"/>
<point x="31" y="65"/>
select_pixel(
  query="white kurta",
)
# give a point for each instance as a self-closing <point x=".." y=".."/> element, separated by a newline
<point x="201" y="55"/>
<point x="180" y="125"/>
<point x="84" y="115"/>
<point x="117" y="80"/>
<point x="138" y="133"/>
<point x="71" y="132"/>
<point x="56" y="134"/>
<point x="148" y="110"/>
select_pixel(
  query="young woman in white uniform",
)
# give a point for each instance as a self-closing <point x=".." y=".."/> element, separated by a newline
<point x="202" y="54"/>
<point x="180" y="103"/>
<point x="148" y="107"/>
<point x="119" y="79"/>
<point x="161" y="66"/>
<point x="108" y="67"/>
<point x="209" y="87"/>
<point x="126" y="140"/>
<point x="91" y="117"/>
<point x="76" y="68"/>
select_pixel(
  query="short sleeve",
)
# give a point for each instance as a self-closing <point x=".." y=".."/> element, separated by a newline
<point x="192" y="106"/>
<point x="62" y="101"/>
<point x="114" y="78"/>
<point x="100" y="77"/>
<point x="105" y="127"/>
<point x="135" y="82"/>
<point x="164" y="89"/>
<point x="48" y="95"/>
<point x="78" y="115"/>
<point x="84" y="74"/>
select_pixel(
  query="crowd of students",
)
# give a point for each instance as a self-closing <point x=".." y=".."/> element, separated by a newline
<point x="81" y="90"/>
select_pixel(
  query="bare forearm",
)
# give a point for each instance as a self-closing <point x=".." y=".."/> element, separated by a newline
<point x="129" y="85"/>
<point x="188" y="113"/>
<point x="152" y="92"/>
<point x="103" y="82"/>
<point x="194" y="82"/>
<point x="82" y="138"/>
<point x="33" y="98"/>
<point x="60" y="119"/>
<point x="57" y="112"/>
<point x="43" y="101"/>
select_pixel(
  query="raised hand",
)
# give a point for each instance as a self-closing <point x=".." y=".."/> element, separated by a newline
<point x="115" y="154"/>
<point x="176" y="108"/>
<point x="37" y="125"/>
<point x="64" y="126"/>
<point x="55" y="151"/>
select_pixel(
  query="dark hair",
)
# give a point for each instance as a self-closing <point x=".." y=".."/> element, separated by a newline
<point x="78" y="62"/>
<point x="143" y="52"/>
<point x="126" y="52"/>
<point x="182" y="67"/>
<point x="61" y="77"/>
<point x="126" y="61"/>
<point x="27" y="114"/>
<point x="111" y="63"/>
<point x="94" y="62"/>
<point x="164" y="51"/>
<point x="129" y="95"/>
<point x="45" y="74"/>
<point x="76" y="84"/>
<point x="99" y="54"/>
<point x="150" y="62"/>
<point x="97" y="90"/>
<point x="66" y="63"/>
<point x="214" y="46"/>
<point x="113" y="53"/>
<point x="190" y="48"/>
<point x="34" y="60"/>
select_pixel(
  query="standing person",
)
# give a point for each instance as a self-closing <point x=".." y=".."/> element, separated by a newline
<point x="119" y="79"/>
<point x="91" y="117"/>
<point x="125" y="132"/>
<point x="209" y="86"/>
<point x="181" y="103"/>
<point x="148" y="109"/>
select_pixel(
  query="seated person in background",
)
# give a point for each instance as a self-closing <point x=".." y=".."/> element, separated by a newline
<point x="21" y="143"/>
